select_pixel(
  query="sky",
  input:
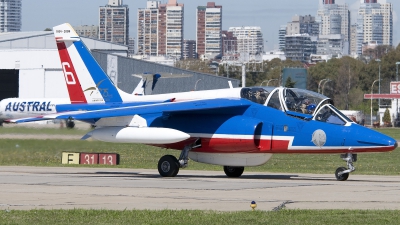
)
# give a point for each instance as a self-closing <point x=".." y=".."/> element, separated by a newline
<point x="267" y="14"/>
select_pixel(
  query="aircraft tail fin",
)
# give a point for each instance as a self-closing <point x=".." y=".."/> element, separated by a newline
<point x="85" y="79"/>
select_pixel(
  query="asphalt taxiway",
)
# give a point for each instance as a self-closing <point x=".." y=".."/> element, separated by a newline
<point x="112" y="188"/>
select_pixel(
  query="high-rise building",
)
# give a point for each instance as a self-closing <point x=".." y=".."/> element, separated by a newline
<point x="249" y="39"/>
<point x="299" y="47"/>
<point x="209" y="27"/>
<point x="114" y="22"/>
<point x="131" y="46"/>
<point x="174" y="28"/>
<point x="332" y="45"/>
<point x="353" y="39"/>
<point x="87" y="31"/>
<point x="229" y="43"/>
<point x="10" y="15"/>
<point x="295" y="38"/>
<point x="148" y="29"/>
<point x="303" y="25"/>
<point x="160" y="29"/>
<point x="189" y="49"/>
<point x="374" y="23"/>
<point x="282" y="34"/>
<point x="334" y="19"/>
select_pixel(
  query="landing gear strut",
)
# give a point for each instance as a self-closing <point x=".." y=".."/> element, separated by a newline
<point x="342" y="173"/>
<point x="168" y="165"/>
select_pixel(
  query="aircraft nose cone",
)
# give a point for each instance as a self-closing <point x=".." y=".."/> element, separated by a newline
<point x="368" y="137"/>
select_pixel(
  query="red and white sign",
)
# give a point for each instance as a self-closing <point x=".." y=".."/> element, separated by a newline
<point x="395" y="87"/>
<point x="108" y="159"/>
<point x="89" y="158"/>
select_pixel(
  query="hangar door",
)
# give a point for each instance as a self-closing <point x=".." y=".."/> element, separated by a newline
<point x="9" y="83"/>
<point x="42" y="83"/>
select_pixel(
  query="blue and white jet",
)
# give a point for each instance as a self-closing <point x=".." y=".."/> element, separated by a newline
<point x="235" y="128"/>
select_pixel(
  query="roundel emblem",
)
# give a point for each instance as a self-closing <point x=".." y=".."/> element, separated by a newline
<point x="319" y="138"/>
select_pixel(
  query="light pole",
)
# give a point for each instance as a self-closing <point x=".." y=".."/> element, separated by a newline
<point x="372" y="91"/>
<point x="270" y="80"/>
<point x="195" y="85"/>
<point x="263" y="82"/>
<point x="319" y="85"/>
<point x="397" y="71"/>
<point x="379" y="78"/>
<point x="324" y="86"/>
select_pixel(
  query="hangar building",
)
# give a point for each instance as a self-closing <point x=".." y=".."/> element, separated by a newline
<point x="30" y="68"/>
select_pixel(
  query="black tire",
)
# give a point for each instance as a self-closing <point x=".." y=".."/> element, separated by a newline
<point x="168" y="166"/>
<point x="70" y="124"/>
<point x="342" y="177"/>
<point x="232" y="171"/>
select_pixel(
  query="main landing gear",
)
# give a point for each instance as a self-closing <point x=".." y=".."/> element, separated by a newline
<point x="232" y="171"/>
<point x="342" y="173"/>
<point x="69" y="123"/>
<point x="168" y="165"/>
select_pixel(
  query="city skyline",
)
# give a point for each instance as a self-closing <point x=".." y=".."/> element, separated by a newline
<point x="42" y="14"/>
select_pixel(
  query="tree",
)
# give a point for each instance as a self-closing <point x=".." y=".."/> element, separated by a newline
<point x="289" y="83"/>
<point x="386" y="117"/>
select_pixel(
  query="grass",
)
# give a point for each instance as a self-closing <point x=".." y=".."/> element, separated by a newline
<point x="80" y="216"/>
<point x="392" y="132"/>
<point x="41" y="130"/>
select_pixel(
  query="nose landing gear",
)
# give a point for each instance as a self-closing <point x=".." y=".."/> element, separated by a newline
<point x="342" y="173"/>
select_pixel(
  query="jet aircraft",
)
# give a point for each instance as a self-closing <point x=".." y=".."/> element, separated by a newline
<point x="234" y="128"/>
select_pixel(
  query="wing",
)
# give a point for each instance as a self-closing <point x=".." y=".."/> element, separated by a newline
<point x="214" y="106"/>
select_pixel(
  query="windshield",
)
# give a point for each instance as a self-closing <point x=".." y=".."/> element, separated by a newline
<point x="302" y="101"/>
<point x="329" y="114"/>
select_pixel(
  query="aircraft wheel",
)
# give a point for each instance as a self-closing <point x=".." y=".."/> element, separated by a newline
<point x="342" y="177"/>
<point x="232" y="171"/>
<point x="168" y="166"/>
<point x="70" y="124"/>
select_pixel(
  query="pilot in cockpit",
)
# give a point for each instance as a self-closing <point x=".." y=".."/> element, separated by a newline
<point x="304" y="104"/>
<point x="260" y="96"/>
<point x="310" y="108"/>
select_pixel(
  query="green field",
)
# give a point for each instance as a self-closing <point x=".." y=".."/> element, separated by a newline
<point x="41" y="130"/>
<point x="78" y="216"/>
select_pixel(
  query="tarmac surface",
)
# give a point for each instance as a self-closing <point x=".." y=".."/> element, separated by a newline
<point x="25" y="188"/>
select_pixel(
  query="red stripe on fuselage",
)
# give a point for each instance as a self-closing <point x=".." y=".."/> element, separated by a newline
<point x="225" y="145"/>
<point x="76" y="94"/>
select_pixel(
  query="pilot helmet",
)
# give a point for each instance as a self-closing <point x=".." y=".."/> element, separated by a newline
<point x="310" y="108"/>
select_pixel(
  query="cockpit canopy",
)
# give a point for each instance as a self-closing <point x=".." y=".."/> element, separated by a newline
<point x="296" y="102"/>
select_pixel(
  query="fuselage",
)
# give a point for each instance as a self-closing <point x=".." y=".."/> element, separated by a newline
<point x="261" y="129"/>
<point x="14" y="108"/>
